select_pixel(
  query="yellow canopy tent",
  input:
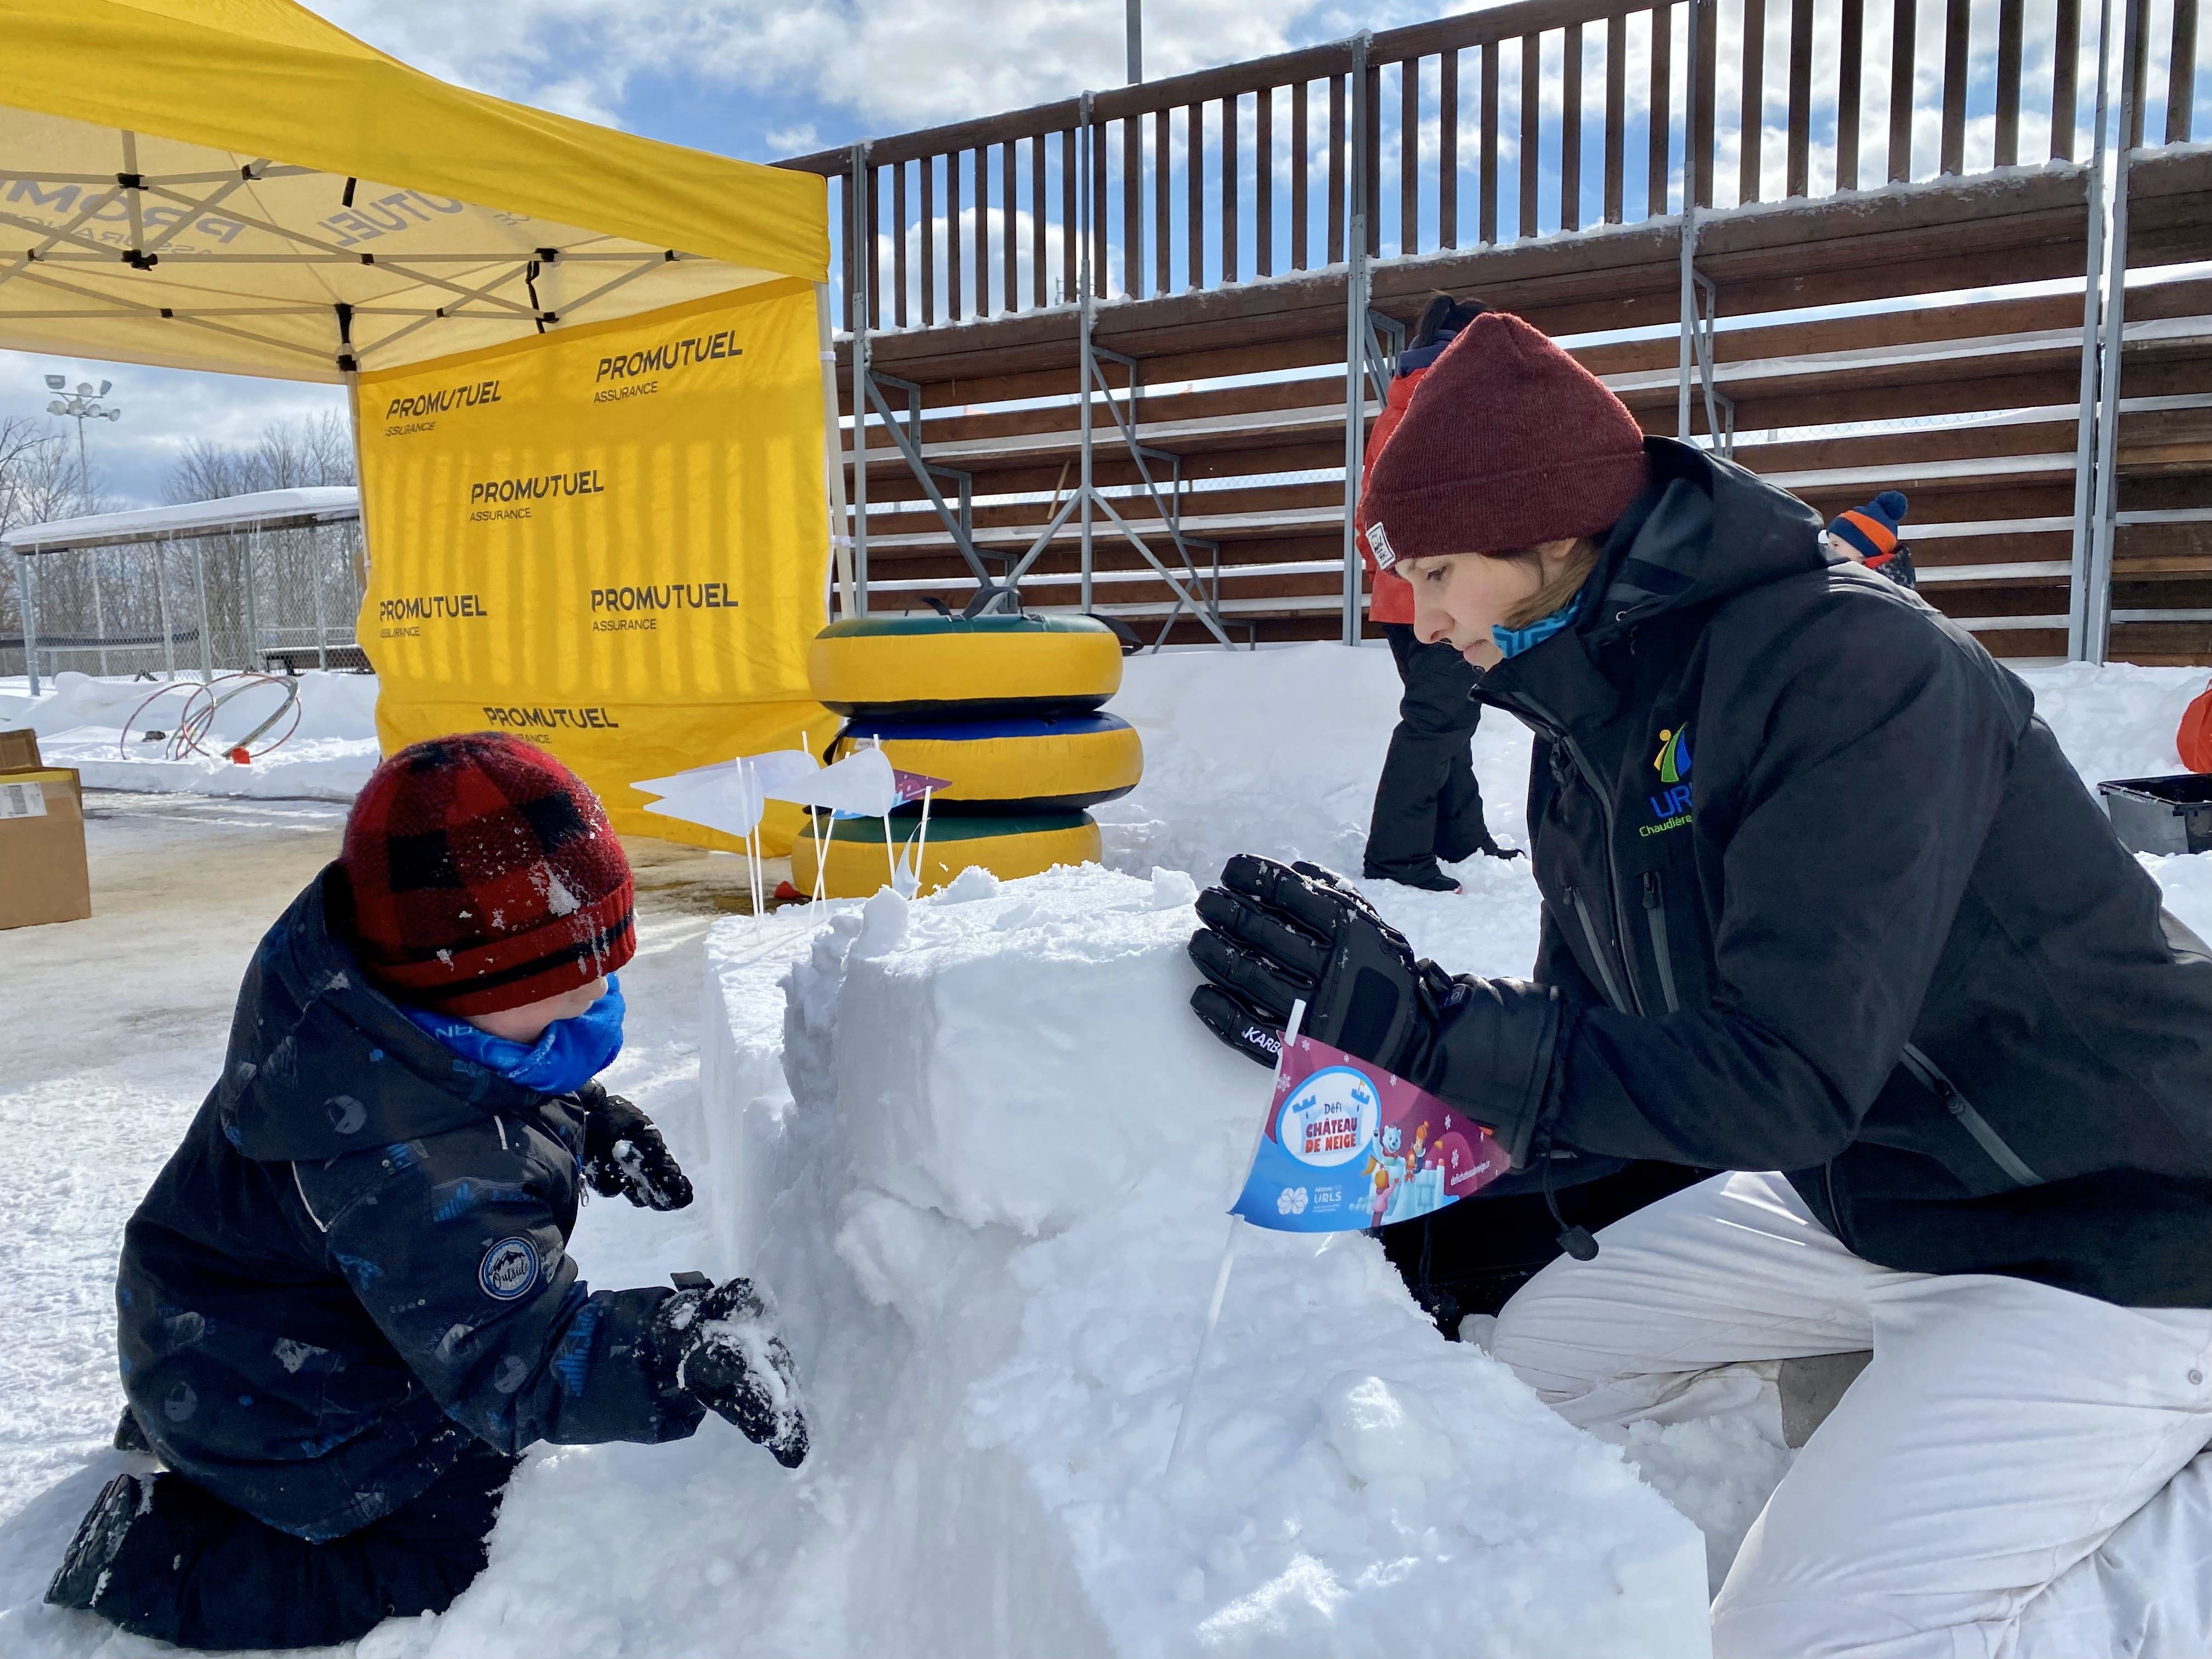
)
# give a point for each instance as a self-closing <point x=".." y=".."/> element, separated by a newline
<point x="236" y="185"/>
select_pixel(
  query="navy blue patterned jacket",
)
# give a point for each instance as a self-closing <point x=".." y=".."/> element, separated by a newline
<point x="357" y="1260"/>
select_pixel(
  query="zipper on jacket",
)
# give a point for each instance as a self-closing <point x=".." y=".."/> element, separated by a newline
<point x="1562" y="741"/>
<point x="1983" y="1132"/>
<point x="1654" y="918"/>
<point x="1598" y="952"/>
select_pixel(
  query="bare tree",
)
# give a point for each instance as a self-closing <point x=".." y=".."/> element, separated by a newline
<point x="290" y="454"/>
<point x="38" y="482"/>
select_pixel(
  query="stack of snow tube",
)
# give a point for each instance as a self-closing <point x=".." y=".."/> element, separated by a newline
<point x="1006" y="710"/>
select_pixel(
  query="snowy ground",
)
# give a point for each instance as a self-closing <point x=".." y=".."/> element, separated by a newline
<point x="115" y="1025"/>
<point x="101" y="727"/>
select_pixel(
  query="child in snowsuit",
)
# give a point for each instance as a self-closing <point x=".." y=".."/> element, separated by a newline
<point x="346" y="1304"/>
<point x="1427" y="803"/>
<point x="1868" y="536"/>
<point x="1961" y="1099"/>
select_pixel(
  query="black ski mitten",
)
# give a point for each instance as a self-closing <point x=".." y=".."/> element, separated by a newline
<point x="625" y="1156"/>
<point x="719" y="1345"/>
<point x="1277" y="933"/>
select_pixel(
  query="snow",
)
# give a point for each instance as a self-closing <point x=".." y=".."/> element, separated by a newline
<point x="268" y="508"/>
<point x="79" y="721"/>
<point x="990" y="1196"/>
<point x="980" y="1155"/>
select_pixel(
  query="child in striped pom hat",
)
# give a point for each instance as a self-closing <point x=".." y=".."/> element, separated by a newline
<point x="1867" y="535"/>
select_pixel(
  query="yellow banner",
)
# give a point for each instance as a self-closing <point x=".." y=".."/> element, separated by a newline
<point x="613" y="542"/>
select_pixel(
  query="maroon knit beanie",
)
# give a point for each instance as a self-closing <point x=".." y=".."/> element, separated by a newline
<point x="1508" y="443"/>
<point x="482" y="876"/>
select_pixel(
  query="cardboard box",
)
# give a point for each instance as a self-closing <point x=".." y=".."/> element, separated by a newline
<point x="43" y="874"/>
<point x="19" y="750"/>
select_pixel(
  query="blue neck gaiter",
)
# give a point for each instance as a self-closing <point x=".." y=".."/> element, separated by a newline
<point x="1512" y="641"/>
<point x="570" y="1053"/>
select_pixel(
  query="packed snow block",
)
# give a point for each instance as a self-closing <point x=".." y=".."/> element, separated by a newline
<point x="1023" y="1147"/>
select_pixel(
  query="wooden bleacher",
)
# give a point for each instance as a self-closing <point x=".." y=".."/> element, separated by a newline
<point x="1918" y="335"/>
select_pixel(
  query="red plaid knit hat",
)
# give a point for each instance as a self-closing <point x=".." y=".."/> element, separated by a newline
<point x="483" y="876"/>
<point x="1508" y="443"/>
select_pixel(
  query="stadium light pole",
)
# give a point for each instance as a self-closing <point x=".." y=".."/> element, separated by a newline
<point x="81" y="405"/>
<point x="1136" y="41"/>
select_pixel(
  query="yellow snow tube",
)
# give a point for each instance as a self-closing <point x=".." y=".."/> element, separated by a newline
<point x="915" y="666"/>
<point x="1010" y="763"/>
<point x="1009" y="848"/>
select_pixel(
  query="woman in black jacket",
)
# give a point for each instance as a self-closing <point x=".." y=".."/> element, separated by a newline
<point x="1966" y="1093"/>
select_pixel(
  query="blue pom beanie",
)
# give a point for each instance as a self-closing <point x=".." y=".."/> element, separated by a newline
<point x="1873" y="528"/>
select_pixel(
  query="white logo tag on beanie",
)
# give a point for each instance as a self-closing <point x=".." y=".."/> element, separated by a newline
<point x="1378" y="542"/>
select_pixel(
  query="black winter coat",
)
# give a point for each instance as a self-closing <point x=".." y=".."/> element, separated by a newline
<point x="1822" y="895"/>
<point x="356" y="1260"/>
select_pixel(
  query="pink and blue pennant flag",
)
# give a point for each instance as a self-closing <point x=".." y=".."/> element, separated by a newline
<point x="1348" y="1145"/>
<point x="912" y="786"/>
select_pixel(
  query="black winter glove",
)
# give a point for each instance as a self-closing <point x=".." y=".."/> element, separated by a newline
<point x="720" y="1347"/>
<point x="1275" y="934"/>
<point x="625" y="1156"/>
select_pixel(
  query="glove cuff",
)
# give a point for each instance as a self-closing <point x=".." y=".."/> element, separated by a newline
<point x="1493" y="1055"/>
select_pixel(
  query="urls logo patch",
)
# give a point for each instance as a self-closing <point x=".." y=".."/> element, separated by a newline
<point x="509" y="1269"/>
<point x="1670" y="807"/>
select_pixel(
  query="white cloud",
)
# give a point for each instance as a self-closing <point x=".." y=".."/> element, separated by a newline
<point x="163" y="411"/>
<point x="895" y="63"/>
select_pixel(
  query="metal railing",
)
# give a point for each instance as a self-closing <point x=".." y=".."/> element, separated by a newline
<point x="1511" y="122"/>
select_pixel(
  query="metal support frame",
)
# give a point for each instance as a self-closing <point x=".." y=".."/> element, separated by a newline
<point x="856" y="326"/>
<point x="1087" y="501"/>
<point x="959" y="522"/>
<point x="250" y="563"/>
<point x="2089" y="619"/>
<point x="322" y="639"/>
<point x="168" y="628"/>
<point x="26" y="598"/>
<point x="1700" y="302"/>
<point x="868" y="390"/>
<point x="1358" y="334"/>
<point x="1720" y="408"/>
<point x="99" y="603"/>
<point x="199" y="593"/>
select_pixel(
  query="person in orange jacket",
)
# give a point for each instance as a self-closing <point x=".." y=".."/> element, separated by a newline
<point x="1427" y="805"/>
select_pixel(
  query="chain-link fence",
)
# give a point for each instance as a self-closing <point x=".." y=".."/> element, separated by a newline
<point x="281" y="600"/>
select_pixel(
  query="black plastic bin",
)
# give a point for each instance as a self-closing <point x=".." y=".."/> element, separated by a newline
<point x="2161" y="815"/>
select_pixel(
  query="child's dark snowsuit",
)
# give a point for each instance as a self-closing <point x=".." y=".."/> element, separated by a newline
<point x="346" y="1303"/>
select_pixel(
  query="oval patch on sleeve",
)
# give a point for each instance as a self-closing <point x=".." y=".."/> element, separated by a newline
<point x="509" y="1269"/>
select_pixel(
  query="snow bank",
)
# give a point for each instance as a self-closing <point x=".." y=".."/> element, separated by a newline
<point x="80" y="723"/>
<point x="1275" y="751"/>
<point x="990" y="1189"/>
<point x="1278" y="751"/>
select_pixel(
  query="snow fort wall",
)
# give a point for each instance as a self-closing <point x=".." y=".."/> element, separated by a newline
<point x="990" y="1188"/>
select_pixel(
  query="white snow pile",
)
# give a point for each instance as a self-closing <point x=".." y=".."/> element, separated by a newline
<point x="81" y="722"/>
<point x="1278" y="751"/>
<point x="988" y="1181"/>
<point x="1278" y="748"/>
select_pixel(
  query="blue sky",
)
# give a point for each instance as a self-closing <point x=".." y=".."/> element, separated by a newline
<point x="760" y="81"/>
<point x="742" y="77"/>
